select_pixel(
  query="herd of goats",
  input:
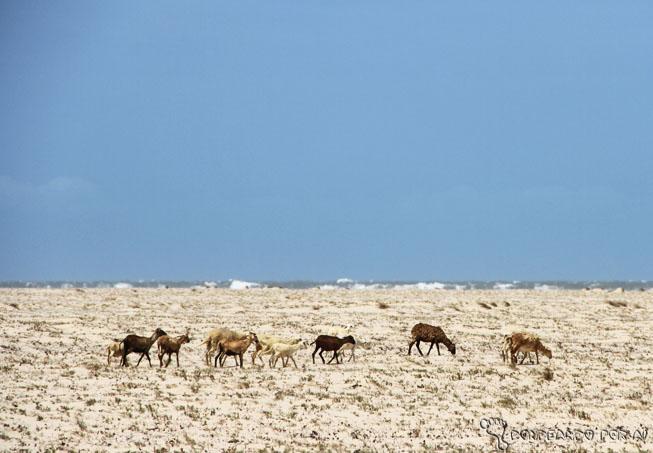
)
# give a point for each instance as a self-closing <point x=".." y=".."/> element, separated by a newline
<point x="224" y="342"/>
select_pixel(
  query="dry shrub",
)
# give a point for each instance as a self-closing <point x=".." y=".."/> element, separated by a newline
<point x="616" y="303"/>
<point x="547" y="374"/>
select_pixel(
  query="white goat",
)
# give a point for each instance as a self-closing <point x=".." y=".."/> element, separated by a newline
<point x="114" y="350"/>
<point x="348" y="347"/>
<point x="284" y="350"/>
<point x="264" y="346"/>
<point x="341" y="332"/>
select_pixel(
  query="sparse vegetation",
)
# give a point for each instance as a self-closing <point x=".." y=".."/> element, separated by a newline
<point x="58" y="400"/>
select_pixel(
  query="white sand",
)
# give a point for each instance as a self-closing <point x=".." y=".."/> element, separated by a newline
<point x="57" y="391"/>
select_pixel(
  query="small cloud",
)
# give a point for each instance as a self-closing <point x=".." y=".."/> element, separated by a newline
<point x="19" y="193"/>
<point x="63" y="184"/>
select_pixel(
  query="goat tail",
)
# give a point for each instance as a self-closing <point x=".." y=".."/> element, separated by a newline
<point x="311" y="344"/>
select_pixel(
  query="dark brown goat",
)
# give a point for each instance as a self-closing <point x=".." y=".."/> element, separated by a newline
<point x="430" y="334"/>
<point x="330" y="343"/>
<point x="136" y="343"/>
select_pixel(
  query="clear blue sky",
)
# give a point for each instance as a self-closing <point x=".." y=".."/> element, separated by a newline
<point x="315" y="140"/>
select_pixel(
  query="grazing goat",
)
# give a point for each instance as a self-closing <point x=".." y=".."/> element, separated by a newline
<point x="114" y="350"/>
<point x="265" y="343"/>
<point x="284" y="350"/>
<point x="430" y="334"/>
<point x="214" y="338"/>
<point x="525" y="343"/>
<point x="234" y="348"/>
<point x="169" y="345"/>
<point x="136" y="343"/>
<point x="330" y="343"/>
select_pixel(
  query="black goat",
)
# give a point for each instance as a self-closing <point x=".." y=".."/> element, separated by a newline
<point x="330" y="343"/>
<point x="136" y="343"/>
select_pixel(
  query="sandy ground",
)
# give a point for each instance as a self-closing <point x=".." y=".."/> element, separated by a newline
<point x="58" y="393"/>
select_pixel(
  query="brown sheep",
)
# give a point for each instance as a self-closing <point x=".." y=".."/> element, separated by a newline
<point x="430" y="334"/>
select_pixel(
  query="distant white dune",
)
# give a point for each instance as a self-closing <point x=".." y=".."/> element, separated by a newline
<point x="122" y="285"/>
<point x="422" y="286"/>
<point x="545" y="287"/>
<point x="239" y="284"/>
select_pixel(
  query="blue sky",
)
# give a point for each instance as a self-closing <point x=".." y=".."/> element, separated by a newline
<point x="316" y="140"/>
